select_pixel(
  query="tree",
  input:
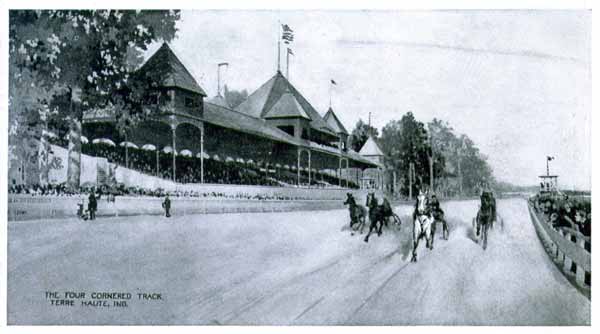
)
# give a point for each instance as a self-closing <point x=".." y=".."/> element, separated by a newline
<point x="83" y="59"/>
<point x="405" y="143"/>
<point x="463" y="161"/>
<point x="360" y="134"/>
<point x="233" y="97"/>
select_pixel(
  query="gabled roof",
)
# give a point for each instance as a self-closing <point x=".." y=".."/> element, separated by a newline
<point x="370" y="148"/>
<point x="287" y="106"/>
<point x="166" y="70"/>
<point x="261" y="101"/>
<point x="334" y="122"/>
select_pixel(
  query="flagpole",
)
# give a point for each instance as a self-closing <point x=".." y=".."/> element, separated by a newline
<point x="279" y="47"/>
<point x="330" y="89"/>
<point x="287" y="65"/>
<point x="219" y="80"/>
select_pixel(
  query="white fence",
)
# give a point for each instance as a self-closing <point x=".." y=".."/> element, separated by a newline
<point x="26" y="207"/>
<point x="568" y="248"/>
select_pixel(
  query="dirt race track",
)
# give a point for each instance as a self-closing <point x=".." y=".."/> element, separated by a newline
<point x="288" y="268"/>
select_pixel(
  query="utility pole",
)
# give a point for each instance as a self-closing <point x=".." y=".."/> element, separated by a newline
<point x="460" y="153"/>
<point x="411" y="179"/>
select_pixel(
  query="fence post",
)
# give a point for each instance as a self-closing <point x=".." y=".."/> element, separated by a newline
<point x="567" y="265"/>
<point x="580" y="276"/>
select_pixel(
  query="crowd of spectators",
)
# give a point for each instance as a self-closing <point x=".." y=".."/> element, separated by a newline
<point x="109" y="193"/>
<point x="215" y="171"/>
<point x="45" y="190"/>
<point x="564" y="212"/>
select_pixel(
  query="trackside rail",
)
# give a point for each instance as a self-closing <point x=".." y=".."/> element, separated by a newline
<point x="569" y="249"/>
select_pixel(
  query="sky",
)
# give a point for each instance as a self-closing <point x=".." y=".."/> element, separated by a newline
<point x="516" y="82"/>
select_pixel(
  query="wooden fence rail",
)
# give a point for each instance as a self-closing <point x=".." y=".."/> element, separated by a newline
<point x="567" y="247"/>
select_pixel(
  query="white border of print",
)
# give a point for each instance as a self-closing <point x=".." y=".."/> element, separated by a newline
<point x="271" y="4"/>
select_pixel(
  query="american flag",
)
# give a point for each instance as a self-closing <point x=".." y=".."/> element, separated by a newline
<point x="288" y="34"/>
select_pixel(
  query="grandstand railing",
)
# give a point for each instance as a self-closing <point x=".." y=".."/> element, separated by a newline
<point x="569" y="249"/>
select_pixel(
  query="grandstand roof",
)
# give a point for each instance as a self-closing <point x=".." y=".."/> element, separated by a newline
<point x="227" y="118"/>
<point x="261" y="102"/>
<point x="334" y="122"/>
<point x="371" y="148"/>
<point x="287" y="106"/>
<point x="164" y="66"/>
<point x="238" y="121"/>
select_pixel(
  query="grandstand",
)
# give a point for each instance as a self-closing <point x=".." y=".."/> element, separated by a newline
<point x="275" y="137"/>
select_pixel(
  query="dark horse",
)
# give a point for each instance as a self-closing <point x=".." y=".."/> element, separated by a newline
<point x="358" y="212"/>
<point x="438" y="217"/>
<point x="389" y="213"/>
<point x="376" y="215"/>
<point x="485" y="216"/>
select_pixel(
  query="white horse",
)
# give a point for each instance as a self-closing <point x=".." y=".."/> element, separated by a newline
<point x="422" y="224"/>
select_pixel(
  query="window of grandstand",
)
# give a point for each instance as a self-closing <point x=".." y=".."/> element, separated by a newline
<point x="191" y="102"/>
<point x="287" y="129"/>
<point x="305" y="134"/>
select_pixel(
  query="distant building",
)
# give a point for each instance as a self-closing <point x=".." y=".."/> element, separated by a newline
<point x="373" y="177"/>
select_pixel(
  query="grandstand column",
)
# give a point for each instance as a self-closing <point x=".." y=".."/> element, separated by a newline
<point x="202" y="154"/>
<point x="309" y="171"/>
<point x="339" y="172"/>
<point x="347" y="168"/>
<point x="266" y="169"/>
<point x="298" y="167"/>
<point x="173" y="127"/>
<point x="157" y="168"/>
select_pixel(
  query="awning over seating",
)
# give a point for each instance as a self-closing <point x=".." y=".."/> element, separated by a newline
<point x="128" y="144"/>
<point x="149" y="147"/>
<point x="205" y="155"/>
<point x="104" y="141"/>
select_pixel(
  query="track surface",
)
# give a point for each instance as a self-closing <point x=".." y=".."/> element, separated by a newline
<point x="289" y="268"/>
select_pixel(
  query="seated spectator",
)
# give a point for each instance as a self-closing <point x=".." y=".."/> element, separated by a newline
<point x="583" y="223"/>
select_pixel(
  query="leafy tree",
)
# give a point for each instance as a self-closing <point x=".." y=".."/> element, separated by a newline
<point x="360" y="134"/>
<point x="76" y="60"/>
<point x="463" y="160"/>
<point x="233" y="97"/>
<point x="405" y="142"/>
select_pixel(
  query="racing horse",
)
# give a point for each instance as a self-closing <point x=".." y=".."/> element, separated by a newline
<point x="358" y="213"/>
<point x="389" y="213"/>
<point x="422" y="224"/>
<point x="438" y="217"/>
<point x="376" y="215"/>
<point x="485" y="216"/>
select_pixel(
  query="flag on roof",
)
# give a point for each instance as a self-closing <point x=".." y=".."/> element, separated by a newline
<point x="286" y="28"/>
<point x="288" y="34"/>
<point x="550" y="158"/>
<point x="290" y="51"/>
